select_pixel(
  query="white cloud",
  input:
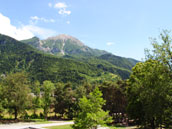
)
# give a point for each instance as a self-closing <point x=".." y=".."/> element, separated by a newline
<point x="10" y="30"/>
<point x="50" y="5"/>
<point x="68" y="22"/>
<point x="24" y="31"/>
<point x="110" y="43"/>
<point x="41" y="32"/>
<point x="35" y="19"/>
<point x="62" y="7"/>
<point x="63" y="11"/>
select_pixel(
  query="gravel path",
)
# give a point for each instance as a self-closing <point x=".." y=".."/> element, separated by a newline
<point x="31" y="125"/>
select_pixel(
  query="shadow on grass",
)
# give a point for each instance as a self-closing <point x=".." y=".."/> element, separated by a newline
<point x="8" y="121"/>
<point x="37" y="121"/>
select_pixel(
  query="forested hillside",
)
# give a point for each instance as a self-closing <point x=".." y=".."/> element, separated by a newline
<point x="16" y="56"/>
<point x="69" y="47"/>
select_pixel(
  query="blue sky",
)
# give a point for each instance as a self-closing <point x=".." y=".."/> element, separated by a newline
<point x="122" y="27"/>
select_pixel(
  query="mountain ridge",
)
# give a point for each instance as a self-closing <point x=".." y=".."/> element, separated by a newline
<point x="63" y="44"/>
<point x="69" y="47"/>
<point x="18" y="56"/>
<point x="65" y="37"/>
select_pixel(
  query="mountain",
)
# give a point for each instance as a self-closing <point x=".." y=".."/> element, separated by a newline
<point x="18" y="56"/>
<point x="122" y="62"/>
<point x="71" y="48"/>
<point x="63" y="45"/>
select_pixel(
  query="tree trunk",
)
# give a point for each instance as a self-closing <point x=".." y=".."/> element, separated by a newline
<point x="45" y="113"/>
<point x="153" y="123"/>
<point x="55" y="116"/>
<point x="95" y="127"/>
<point x="34" y="111"/>
<point x="15" y="113"/>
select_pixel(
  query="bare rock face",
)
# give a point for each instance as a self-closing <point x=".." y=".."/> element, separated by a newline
<point x="65" y="37"/>
<point x="63" y="44"/>
<point x="55" y="50"/>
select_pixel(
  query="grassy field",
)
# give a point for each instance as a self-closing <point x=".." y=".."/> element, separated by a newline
<point x="7" y="115"/>
<point x="60" y="127"/>
<point x="41" y="121"/>
<point x="69" y="127"/>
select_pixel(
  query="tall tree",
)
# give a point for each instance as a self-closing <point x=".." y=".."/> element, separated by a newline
<point x="91" y="113"/>
<point x="148" y="94"/>
<point x="161" y="51"/>
<point x="1" y="101"/>
<point x="36" y="100"/>
<point x="16" y="92"/>
<point x="64" y="99"/>
<point x="115" y="97"/>
<point x="47" y="96"/>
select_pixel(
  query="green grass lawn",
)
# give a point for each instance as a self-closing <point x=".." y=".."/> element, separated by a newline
<point x="60" y="127"/>
<point x="41" y="121"/>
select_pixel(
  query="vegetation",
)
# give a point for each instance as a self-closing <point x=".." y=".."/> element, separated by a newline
<point x="17" y="56"/>
<point x="91" y="113"/>
<point x="148" y="94"/>
<point x="105" y="65"/>
<point x="59" y="98"/>
<point x="65" y="97"/>
<point x="119" y="61"/>
<point x="61" y="127"/>
<point x="150" y="90"/>
<point x="16" y="93"/>
<point x="88" y="89"/>
<point x="70" y="127"/>
<point x="47" y="96"/>
<point x="116" y="100"/>
<point x="36" y="99"/>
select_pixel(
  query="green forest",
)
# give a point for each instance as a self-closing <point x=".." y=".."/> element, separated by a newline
<point x="92" y="90"/>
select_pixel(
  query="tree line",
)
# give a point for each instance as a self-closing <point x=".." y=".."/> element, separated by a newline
<point x="144" y="99"/>
<point x="18" y="95"/>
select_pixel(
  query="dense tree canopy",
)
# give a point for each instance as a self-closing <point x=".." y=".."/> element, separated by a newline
<point x="64" y="99"/>
<point x="1" y="100"/>
<point x="114" y="94"/>
<point x="148" y="94"/>
<point x="16" y="92"/>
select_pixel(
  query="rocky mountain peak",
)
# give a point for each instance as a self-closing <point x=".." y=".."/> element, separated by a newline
<point x="65" y="37"/>
<point x="63" y="45"/>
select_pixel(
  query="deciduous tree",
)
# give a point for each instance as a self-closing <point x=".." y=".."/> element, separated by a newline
<point x="47" y="96"/>
<point x="162" y="52"/>
<point x="148" y="94"/>
<point x="16" y="92"/>
<point x="115" y="97"/>
<point x="91" y="113"/>
<point x="36" y="99"/>
<point x="64" y="99"/>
